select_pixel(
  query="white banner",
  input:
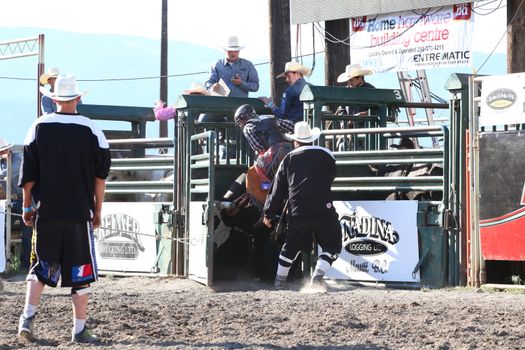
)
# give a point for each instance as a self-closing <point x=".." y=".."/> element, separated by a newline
<point x="2" y="236"/>
<point x="427" y="38"/>
<point x="198" y="244"/>
<point x="380" y="241"/>
<point x="502" y="100"/>
<point x="119" y="245"/>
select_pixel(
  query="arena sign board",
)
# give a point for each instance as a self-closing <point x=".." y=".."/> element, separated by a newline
<point x="125" y="241"/>
<point x="502" y="195"/>
<point x="380" y="241"/>
<point x="502" y="101"/>
<point x="411" y="40"/>
<point x="2" y="236"/>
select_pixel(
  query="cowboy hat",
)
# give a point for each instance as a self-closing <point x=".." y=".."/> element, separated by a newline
<point x="65" y="89"/>
<point x="196" y="89"/>
<point x="233" y="44"/>
<point x="51" y="73"/>
<point x="304" y="134"/>
<point x="293" y="66"/>
<point x="4" y="145"/>
<point x="351" y="71"/>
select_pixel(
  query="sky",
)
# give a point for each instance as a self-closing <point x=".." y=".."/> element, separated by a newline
<point x="200" y="22"/>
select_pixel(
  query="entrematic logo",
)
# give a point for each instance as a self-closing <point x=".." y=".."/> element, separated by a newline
<point x="117" y="238"/>
<point x="367" y="235"/>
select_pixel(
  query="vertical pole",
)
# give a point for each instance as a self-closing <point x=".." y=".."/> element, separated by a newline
<point x="515" y="36"/>
<point x="337" y="55"/>
<point x="163" y="125"/>
<point x="40" y="71"/>
<point x="280" y="45"/>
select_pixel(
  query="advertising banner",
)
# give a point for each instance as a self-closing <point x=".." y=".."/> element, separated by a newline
<point x="125" y="241"/>
<point x="502" y="196"/>
<point x="502" y="101"/>
<point x="411" y="40"/>
<point x="198" y="244"/>
<point x="2" y="236"/>
<point x="380" y="241"/>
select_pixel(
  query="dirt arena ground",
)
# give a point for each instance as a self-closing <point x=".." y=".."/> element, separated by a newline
<point x="171" y="313"/>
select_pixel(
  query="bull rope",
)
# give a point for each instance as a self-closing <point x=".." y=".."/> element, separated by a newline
<point x="157" y="237"/>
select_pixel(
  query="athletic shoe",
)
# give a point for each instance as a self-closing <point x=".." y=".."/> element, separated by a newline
<point x="25" y="327"/>
<point x="84" y="336"/>
<point x="318" y="282"/>
<point x="281" y="283"/>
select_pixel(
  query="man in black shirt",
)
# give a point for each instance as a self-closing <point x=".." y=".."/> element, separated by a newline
<point x="304" y="180"/>
<point x="66" y="160"/>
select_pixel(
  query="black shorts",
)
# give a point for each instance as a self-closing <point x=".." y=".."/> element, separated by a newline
<point x="324" y="228"/>
<point x="66" y="250"/>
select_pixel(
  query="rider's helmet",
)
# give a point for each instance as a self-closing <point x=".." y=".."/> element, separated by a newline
<point x="243" y="114"/>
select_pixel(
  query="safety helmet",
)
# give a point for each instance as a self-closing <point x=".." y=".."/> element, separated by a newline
<point x="243" y="114"/>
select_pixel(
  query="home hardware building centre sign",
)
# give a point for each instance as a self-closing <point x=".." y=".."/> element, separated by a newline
<point x="428" y="34"/>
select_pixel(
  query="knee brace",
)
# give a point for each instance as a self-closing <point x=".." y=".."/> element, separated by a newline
<point x="329" y="258"/>
<point x="287" y="257"/>
<point x="82" y="290"/>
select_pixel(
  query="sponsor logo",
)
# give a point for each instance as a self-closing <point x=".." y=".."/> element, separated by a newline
<point x="81" y="273"/>
<point x="367" y="235"/>
<point x="462" y="12"/>
<point x="501" y="98"/>
<point x="358" y="24"/>
<point x="118" y="237"/>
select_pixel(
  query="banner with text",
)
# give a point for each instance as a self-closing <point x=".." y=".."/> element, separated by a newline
<point x="125" y="241"/>
<point x="423" y="39"/>
<point x="502" y="101"/>
<point x="380" y="241"/>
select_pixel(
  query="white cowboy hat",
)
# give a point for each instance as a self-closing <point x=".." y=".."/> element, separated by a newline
<point x="293" y="66"/>
<point x="4" y="145"/>
<point x="51" y="73"/>
<point x="304" y="134"/>
<point x="353" y="70"/>
<point x="233" y="44"/>
<point x="196" y="88"/>
<point x="65" y="89"/>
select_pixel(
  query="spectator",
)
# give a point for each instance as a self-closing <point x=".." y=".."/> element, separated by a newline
<point x="291" y="108"/>
<point x="354" y="77"/>
<point x="304" y="180"/>
<point x="66" y="160"/>
<point x="163" y="113"/>
<point x="46" y="103"/>
<point x="237" y="73"/>
<point x="16" y="198"/>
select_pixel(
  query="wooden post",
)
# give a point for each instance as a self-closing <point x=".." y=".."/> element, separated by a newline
<point x="163" y="125"/>
<point x="337" y="55"/>
<point x="515" y="37"/>
<point x="280" y="45"/>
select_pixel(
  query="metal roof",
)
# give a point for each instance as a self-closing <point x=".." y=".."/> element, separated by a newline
<point x="308" y="11"/>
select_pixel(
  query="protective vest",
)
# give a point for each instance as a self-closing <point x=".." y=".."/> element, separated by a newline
<point x="268" y="131"/>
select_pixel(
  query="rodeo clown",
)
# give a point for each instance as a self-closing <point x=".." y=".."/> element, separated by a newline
<point x="303" y="181"/>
